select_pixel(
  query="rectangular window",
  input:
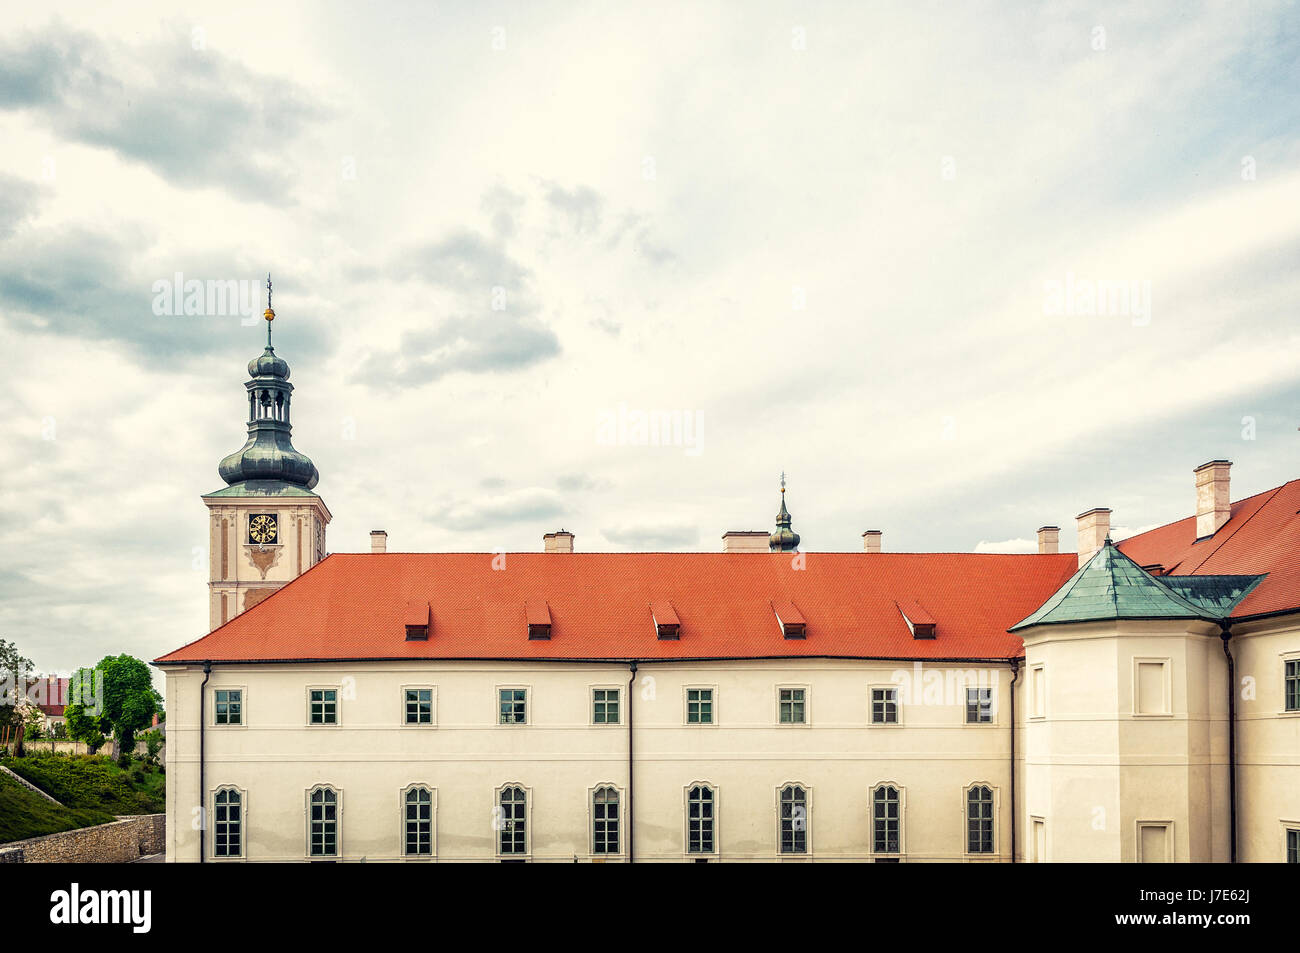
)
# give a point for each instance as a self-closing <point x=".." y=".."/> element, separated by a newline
<point x="229" y="707"/>
<point x="228" y="823"/>
<point x="1293" y="685"/>
<point x="1293" y="846"/>
<point x="324" y="706"/>
<point x="323" y="825"/>
<point x="604" y="706"/>
<point x="513" y="706"/>
<point x="794" y="820"/>
<point x="419" y="822"/>
<point x="791" y="706"/>
<point x="514" y="818"/>
<point x="1038" y="841"/>
<point x="1153" y="843"/>
<point x="979" y="820"/>
<point x="604" y="821"/>
<point x="699" y="706"/>
<point x="699" y="820"/>
<point x="1149" y="685"/>
<point x="1037" y="692"/>
<point x="979" y="706"/>
<point x="419" y="706"/>
<point x="885" y="820"/>
<point x="884" y="706"/>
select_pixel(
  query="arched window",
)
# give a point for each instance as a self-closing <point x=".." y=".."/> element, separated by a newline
<point x="794" y="820"/>
<point x="979" y="820"/>
<point x="323" y="823"/>
<point x="699" y="819"/>
<point x="514" y="813"/>
<point x="604" y="821"/>
<point x="419" y="822"/>
<point x="227" y="823"/>
<point x="886" y="820"/>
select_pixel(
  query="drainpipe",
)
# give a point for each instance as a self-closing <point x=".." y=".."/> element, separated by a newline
<point x="1015" y="674"/>
<point x="1225" y="633"/>
<point x="203" y="801"/>
<point x="631" y="843"/>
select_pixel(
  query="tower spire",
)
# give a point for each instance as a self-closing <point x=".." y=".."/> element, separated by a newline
<point x="784" y="540"/>
<point x="269" y="313"/>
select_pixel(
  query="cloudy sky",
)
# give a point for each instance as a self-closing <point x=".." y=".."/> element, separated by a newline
<point x="856" y="243"/>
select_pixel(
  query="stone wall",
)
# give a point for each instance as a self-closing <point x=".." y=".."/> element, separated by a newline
<point x="123" y="840"/>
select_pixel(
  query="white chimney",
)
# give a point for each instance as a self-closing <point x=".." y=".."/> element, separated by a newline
<point x="1213" y="503"/>
<point x="871" y="541"/>
<point x="561" y="542"/>
<point x="1049" y="539"/>
<point x="378" y="541"/>
<point x="1094" y="528"/>
<point x="745" y="541"/>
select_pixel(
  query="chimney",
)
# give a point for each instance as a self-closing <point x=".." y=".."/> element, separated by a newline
<point x="561" y="542"/>
<point x="871" y="541"/>
<point x="378" y="541"/>
<point x="745" y="541"/>
<point x="1094" y="528"/>
<point x="1049" y="539"/>
<point x="1213" y="504"/>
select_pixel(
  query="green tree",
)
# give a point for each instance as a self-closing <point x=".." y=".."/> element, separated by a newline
<point x="14" y="668"/>
<point x="116" y="697"/>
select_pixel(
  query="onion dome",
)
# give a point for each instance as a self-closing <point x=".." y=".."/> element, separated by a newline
<point x="267" y="364"/>
<point x="784" y="540"/>
<point x="269" y="454"/>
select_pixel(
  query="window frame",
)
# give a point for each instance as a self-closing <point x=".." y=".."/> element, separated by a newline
<point x="618" y="790"/>
<point x="992" y="707"/>
<point x="995" y="853"/>
<point x="337" y="689"/>
<point x="591" y="712"/>
<point x="1037" y="672"/>
<point x="897" y="703"/>
<point x="527" y="853"/>
<point x="243" y="824"/>
<point x="1290" y="832"/>
<point x="528" y="705"/>
<point x="1171" y="849"/>
<point x="1034" y="820"/>
<point x="338" y="821"/>
<point x="433" y="706"/>
<point x="1290" y="658"/>
<point x="243" y="707"/>
<point x="901" y="853"/>
<point x="715" y="819"/>
<point x="806" y="702"/>
<point x="433" y="821"/>
<point x="713" y="705"/>
<point x="1166" y="665"/>
<point x="807" y="852"/>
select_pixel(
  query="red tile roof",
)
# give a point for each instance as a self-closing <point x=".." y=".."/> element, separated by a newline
<point x="1262" y="536"/>
<point x="352" y="606"/>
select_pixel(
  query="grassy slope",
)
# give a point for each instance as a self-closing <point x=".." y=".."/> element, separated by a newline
<point x="24" y="813"/>
<point x="95" y="782"/>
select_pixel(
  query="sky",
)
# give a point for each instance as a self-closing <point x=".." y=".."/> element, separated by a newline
<point x="858" y="244"/>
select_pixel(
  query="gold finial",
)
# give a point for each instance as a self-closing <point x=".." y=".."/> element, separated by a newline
<point x="782" y="481"/>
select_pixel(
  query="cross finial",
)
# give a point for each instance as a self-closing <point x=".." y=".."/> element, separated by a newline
<point x="782" y="481"/>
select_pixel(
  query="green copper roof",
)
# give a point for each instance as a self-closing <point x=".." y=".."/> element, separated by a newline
<point x="1112" y="586"/>
<point x="261" y="488"/>
<point x="1217" y="595"/>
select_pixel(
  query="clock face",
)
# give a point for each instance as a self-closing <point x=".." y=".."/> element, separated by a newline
<point x="262" y="528"/>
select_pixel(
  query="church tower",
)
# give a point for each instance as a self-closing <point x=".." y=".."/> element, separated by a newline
<point x="267" y="526"/>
